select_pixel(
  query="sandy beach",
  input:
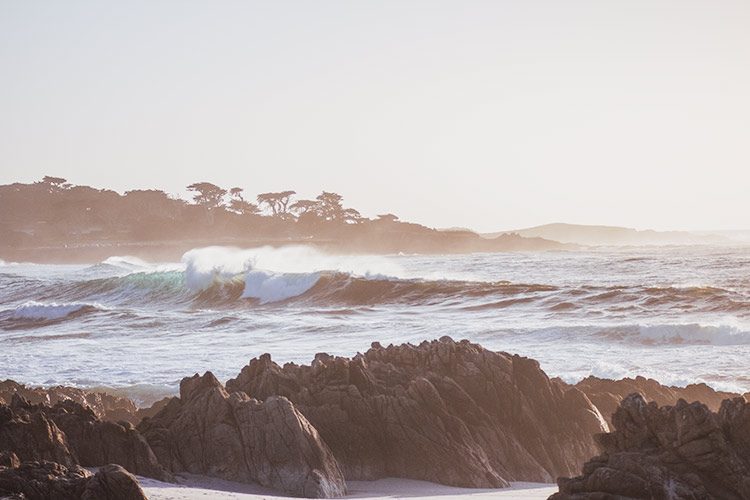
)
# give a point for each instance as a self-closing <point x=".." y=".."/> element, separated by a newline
<point x="192" y="487"/>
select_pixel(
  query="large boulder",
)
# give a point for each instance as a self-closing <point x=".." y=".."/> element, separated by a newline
<point x="607" y="394"/>
<point x="443" y="411"/>
<point x="231" y="436"/>
<point x="43" y="480"/>
<point x="675" y="452"/>
<point x="70" y="434"/>
<point x="112" y="482"/>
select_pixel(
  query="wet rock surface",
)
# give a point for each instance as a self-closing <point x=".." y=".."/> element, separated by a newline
<point x="683" y="451"/>
<point x="443" y="411"/>
<point x="209" y="431"/>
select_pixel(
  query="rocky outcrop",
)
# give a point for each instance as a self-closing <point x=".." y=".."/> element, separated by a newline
<point x="443" y="411"/>
<point x="675" y="452"/>
<point x="43" y="480"/>
<point x="105" y="406"/>
<point x="70" y="434"/>
<point x="209" y="431"/>
<point x="32" y="435"/>
<point x="96" y="442"/>
<point x="607" y="394"/>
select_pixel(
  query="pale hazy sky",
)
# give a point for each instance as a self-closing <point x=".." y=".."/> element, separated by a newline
<point x="491" y="115"/>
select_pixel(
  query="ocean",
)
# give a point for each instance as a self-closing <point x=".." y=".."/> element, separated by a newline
<point x="679" y="315"/>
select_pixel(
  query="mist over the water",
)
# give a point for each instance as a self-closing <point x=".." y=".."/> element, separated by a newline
<point x="680" y="314"/>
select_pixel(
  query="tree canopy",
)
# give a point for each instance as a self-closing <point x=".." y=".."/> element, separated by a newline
<point x="207" y="194"/>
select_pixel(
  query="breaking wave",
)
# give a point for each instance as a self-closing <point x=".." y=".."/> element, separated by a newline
<point x="223" y="277"/>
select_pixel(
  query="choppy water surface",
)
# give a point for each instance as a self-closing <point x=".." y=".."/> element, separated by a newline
<point x="679" y="315"/>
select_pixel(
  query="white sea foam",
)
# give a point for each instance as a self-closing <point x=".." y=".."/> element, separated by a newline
<point x="274" y="287"/>
<point x="127" y="262"/>
<point x="694" y="334"/>
<point x="123" y="265"/>
<point x="274" y="274"/>
<point x="205" y="266"/>
<point x="49" y="311"/>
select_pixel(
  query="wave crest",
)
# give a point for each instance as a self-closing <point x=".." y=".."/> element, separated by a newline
<point x="51" y="311"/>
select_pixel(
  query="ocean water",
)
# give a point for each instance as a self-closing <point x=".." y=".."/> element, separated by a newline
<point x="680" y="314"/>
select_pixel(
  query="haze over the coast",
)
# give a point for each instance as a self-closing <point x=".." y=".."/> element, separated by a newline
<point x="375" y="249"/>
<point x="488" y="115"/>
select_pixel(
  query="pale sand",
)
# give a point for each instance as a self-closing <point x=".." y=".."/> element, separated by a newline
<point x="193" y="487"/>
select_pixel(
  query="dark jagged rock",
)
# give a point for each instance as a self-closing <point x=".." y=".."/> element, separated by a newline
<point x="32" y="435"/>
<point x="675" y="452"/>
<point x="96" y="442"/>
<point x="70" y="434"/>
<point x="9" y="459"/>
<point x="43" y="480"/>
<point x="105" y="406"/>
<point x="444" y="411"/>
<point x="607" y="394"/>
<point x="208" y="431"/>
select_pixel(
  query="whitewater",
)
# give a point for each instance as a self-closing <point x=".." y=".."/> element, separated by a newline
<point x="679" y="314"/>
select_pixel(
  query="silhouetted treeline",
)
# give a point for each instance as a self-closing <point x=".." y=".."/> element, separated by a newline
<point x="54" y="213"/>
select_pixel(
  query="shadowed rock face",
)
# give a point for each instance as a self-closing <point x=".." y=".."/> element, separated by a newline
<point x="208" y="431"/>
<point x="49" y="480"/>
<point x="673" y="452"/>
<point x="607" y="394"/>
<point x="70" y="434"/>
<point x="448" y="412"/>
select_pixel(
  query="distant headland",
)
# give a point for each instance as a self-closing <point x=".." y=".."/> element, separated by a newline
<point x="54" y="221"/>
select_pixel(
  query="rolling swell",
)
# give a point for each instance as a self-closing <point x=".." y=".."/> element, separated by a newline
<point x="341" y="288"/>
<point x="667" y="298"/>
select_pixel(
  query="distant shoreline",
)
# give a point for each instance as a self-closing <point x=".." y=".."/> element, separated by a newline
<point x="171" y="251"/>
